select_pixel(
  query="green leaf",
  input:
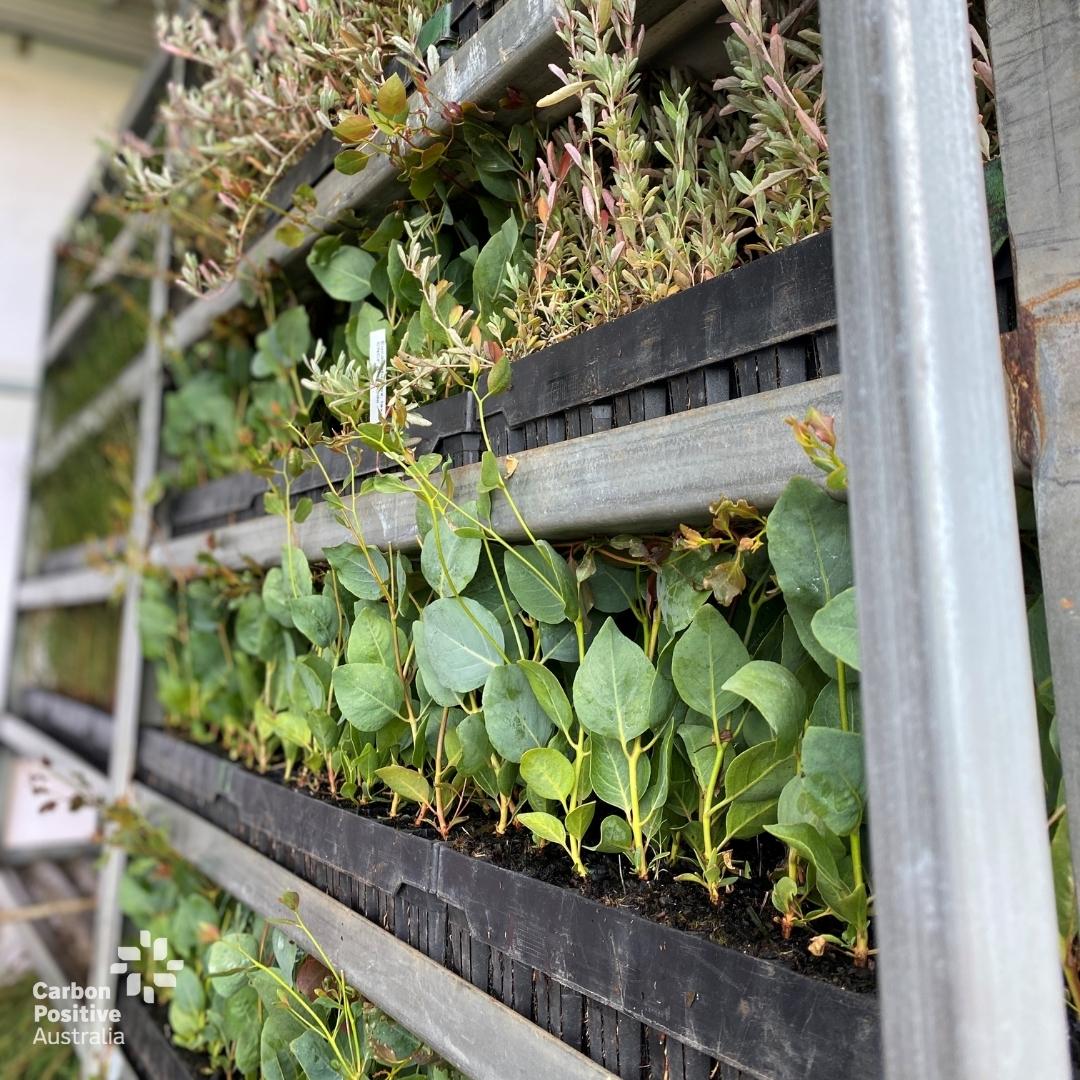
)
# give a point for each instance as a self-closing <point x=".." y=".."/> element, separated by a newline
<point x="315" y="1057"/>
<point x="350" y="162"/>
<point x="227" y="962"/>
<point x="282" y="344"/>
<point x="748" y="818"/>
<point x="776" y="694"/>
<point x="490" y="476"/>
<point x="826" y="711"/>
<point x="544" y="826"/>
<point x="371" y="640"/>
<point x="823" y="800"/>
<point x="294" y="566"/>
<point x="614" y="588"/>
<point x="547" y="773"/>
<point x="826" y="750"/>
<point x="541" y="582"/>
<point x="343" y="271"/>
<point x="256" y="632"/>
<point x="407" y="783"/>
<point x="438" y="693"/>
<point x="392" y="100"/>
<point x="290" y="234"/>
<point x="276" y="597"/>
<point x="609" y="770"/>
<point x="355" y="572"/>
<point x="463" y="642"/>
<point x="188" y="994"/>
<point x="290" y="727"/>
<point x="616" y="836"/>
<point x="759" y="773"/>
<point x="448" y="560"/>
<point x="316" y="617"/>
<point x="243" y="1025"/>
<point x="513" y="717"/>
<point x="276" y="1060"/>
<point x="579" y="819"/>
<point x="193" y="917"/>
<point x="840" y="897"/>
<point x="369" y="695"/>
<point x="490" y="271"/>
<point x="680" y="589"/>
<point x="500" y="376"/>
<point x="700" y="749"/>
<point x="613" y="686"/>
<point x="837" y="630"/>
<point x="810" y="550"/>
<point x="550" y="694"/>
<point x="704" y="658"/>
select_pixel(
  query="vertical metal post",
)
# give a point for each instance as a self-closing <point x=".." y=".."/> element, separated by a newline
<point x="108" y="919"/>
<point x="1035" y="48"/>
<point x="971" y="988"/>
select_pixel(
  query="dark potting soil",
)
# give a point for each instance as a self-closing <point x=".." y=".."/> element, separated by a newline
<point x="745" y="918"/>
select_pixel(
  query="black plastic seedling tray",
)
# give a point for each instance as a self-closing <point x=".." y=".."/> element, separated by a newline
<point x="646" y="1001"/>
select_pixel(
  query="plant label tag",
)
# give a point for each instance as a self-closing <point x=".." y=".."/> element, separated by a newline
<point x="377" y="374"/>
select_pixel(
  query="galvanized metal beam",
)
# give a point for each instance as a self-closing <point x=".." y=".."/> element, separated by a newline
<point x="649" y="475"/>
<point x="69" y="588"/>
<point x="969" y="976"/>
<point x="474" y="1032"/>
<point x="1035" y="47"/>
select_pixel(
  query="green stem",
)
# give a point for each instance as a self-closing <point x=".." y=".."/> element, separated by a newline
<point x="841" y="682"/>
<point x="635" y="811"/>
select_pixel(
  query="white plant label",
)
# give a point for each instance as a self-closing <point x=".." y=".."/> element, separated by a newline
<point x="377" y="371"/>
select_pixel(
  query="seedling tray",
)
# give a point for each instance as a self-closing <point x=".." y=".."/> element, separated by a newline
<point x="467" y="16"/>
<point x="147" y="1047"/>
<point x="644" y="1000"/>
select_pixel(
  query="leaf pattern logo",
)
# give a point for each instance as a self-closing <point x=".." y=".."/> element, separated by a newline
<point x="156" y="952"/>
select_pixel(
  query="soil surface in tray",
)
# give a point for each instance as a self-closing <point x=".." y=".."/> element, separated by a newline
<point x="743" y="920"/>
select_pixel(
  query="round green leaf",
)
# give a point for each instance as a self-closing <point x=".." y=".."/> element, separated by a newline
<point x="514" y="719"/>
<point x="449" y="561"/>
<point x="541" y="582"/>
<point x="371" y="640"/>
<point x="354" y="569"/>
<point x="544" y="826"/>
<point x="704" y="658"/>
<point x="776" y="694"/>
<point x="613" y="686"/>
<point x="369" y="695"/>
<point x="463" y="642"/>
<point x="547" y="773"/>
<point x="407" y="783"/>
<point x="343" y="271"/>
<point x="316" y="617"/>
<point x="836" y="628"/>
<point x="227" y="962"/>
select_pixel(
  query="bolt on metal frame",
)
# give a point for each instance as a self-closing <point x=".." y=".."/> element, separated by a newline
<point x="970" y="981"/>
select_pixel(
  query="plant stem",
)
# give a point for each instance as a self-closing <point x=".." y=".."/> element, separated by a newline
<point x="841" y="683"/>
<point x="635" y="811"/>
